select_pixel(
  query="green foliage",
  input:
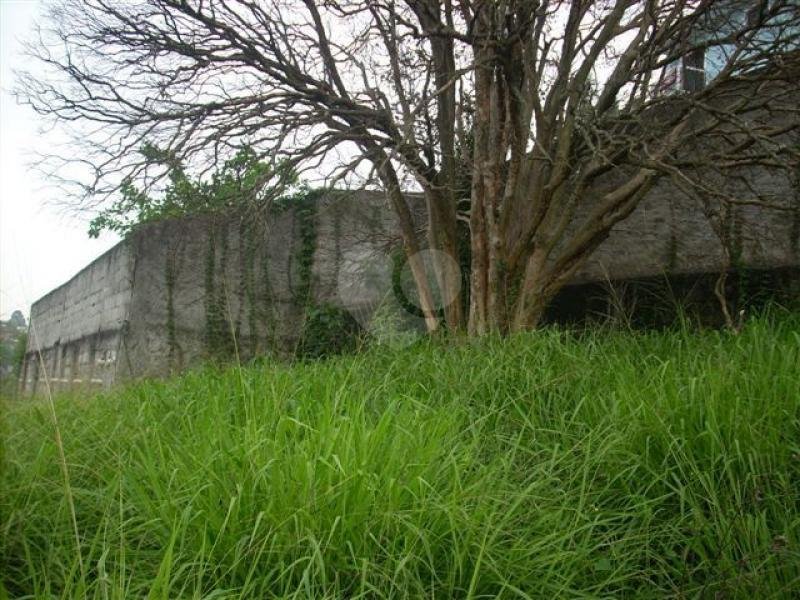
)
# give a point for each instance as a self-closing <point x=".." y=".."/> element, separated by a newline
<point x="304" y="202"/>
<point x="219" y="330"/>
<point x="795" y="231"/>
<point x="327" y="331"/>
<point x="6" y="353"/>
<point x="242" y="179"/>
<point x="546" y="465"/>
<point x="172" y="337"/>
<point x="18" y="353"/>
<point x="12" y="355"/>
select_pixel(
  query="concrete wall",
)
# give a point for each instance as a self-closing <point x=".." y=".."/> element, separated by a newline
<point x="669" y="234"/>
<point x="204" y="282"/>
<point x="180" y="291"/>
<point x="75" y="330"/>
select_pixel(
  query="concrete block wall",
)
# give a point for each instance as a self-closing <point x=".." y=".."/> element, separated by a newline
<point x="244" y="266"/>
<point x="164" y="299"/>
<point x="669" y="234"/>
<point x="187" y="268"/>
<point x="75" y="331"/>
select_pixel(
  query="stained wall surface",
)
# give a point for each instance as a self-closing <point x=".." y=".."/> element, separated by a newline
<point x="237" y="285"/>
<point x="76" y="330"/>
<point x="670" y="233"/>
<point x="182" y="291"/>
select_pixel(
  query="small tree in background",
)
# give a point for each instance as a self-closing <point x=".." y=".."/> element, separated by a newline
<point x="13" y="345"/>
<point x="242" y="181"/>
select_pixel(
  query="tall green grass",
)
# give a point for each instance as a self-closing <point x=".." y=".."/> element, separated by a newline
<point x="550" y="464"/>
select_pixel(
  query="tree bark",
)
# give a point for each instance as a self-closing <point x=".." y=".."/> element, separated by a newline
<point x="408" y="233"/>
<point x="479" y="314"/>
<point x="440" y="192"/>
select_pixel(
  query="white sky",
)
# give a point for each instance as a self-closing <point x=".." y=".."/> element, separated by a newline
<point x="40" y="247"/>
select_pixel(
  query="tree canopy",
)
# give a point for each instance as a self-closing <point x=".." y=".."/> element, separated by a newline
<point x="549" y="119"/>
<point x="241" y="181"/>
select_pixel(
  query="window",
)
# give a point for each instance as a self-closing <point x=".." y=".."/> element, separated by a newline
<point x="694" y="70"/>
<point x="669" y="81"/>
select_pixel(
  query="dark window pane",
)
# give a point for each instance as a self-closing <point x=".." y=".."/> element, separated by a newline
<point x="694" y="73"/>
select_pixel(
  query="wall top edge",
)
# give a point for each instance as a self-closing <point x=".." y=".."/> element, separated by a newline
<point x="115" y="248"/>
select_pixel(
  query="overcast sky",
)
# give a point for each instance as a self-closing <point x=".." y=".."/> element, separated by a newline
<point x="40" y="247"/>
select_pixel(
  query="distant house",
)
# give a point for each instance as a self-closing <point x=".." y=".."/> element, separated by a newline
<point x="712" y="48"/>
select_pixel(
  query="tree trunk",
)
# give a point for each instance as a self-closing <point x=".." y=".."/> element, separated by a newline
<point x="534" y="294"/>
<point x="409" y="235"/>
<point x="440" y="193"/>
<point x="479" y="316"/>
<point x="442" y="238"/>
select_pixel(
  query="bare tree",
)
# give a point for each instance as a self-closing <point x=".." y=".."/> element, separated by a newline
<point x="548" y="118"/>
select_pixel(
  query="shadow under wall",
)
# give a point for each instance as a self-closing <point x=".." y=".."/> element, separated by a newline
<point x="656" y="302"/>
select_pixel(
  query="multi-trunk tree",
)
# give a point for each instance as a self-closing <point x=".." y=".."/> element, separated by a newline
<point x="541" y="123"/>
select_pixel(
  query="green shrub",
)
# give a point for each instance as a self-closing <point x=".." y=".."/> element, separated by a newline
<point x="327" y="331"/>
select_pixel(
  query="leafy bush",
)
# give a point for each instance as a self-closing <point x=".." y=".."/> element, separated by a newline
<point x="242" y="179"/>
<point x="328" y="330"/>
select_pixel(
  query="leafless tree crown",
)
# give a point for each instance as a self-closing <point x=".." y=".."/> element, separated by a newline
<point x="548" y="119"/>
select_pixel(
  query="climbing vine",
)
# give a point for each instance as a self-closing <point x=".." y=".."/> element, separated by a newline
<point x="795" y="232"/>
<point x="248" y="298"/>
<point x="304" y="203"/>
<point x="242" y="188"/>
<point x="172" y="338"/>
<point x="219" y="331"/>
<point x="325" y="329"/>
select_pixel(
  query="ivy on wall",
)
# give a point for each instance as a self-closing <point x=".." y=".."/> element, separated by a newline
<point x="321" y="329"/>
<point x="304" y="203"/>
<point x="171" y="274"/>
<point x="242" y="187"/>
<point x="218" y="331"/>
<point x="325" y="329"/>
<point x="248" y="295"/>
<point x="795" y="232"/>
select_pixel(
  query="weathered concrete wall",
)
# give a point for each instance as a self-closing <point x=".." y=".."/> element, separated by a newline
<point x="180" y="291"/>
<point x="209" y="284"/>
<point x="669" y="234"/>
<point x="75" y="330"/>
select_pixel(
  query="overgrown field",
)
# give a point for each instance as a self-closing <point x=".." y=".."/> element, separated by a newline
<point x="547" y="465"/>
